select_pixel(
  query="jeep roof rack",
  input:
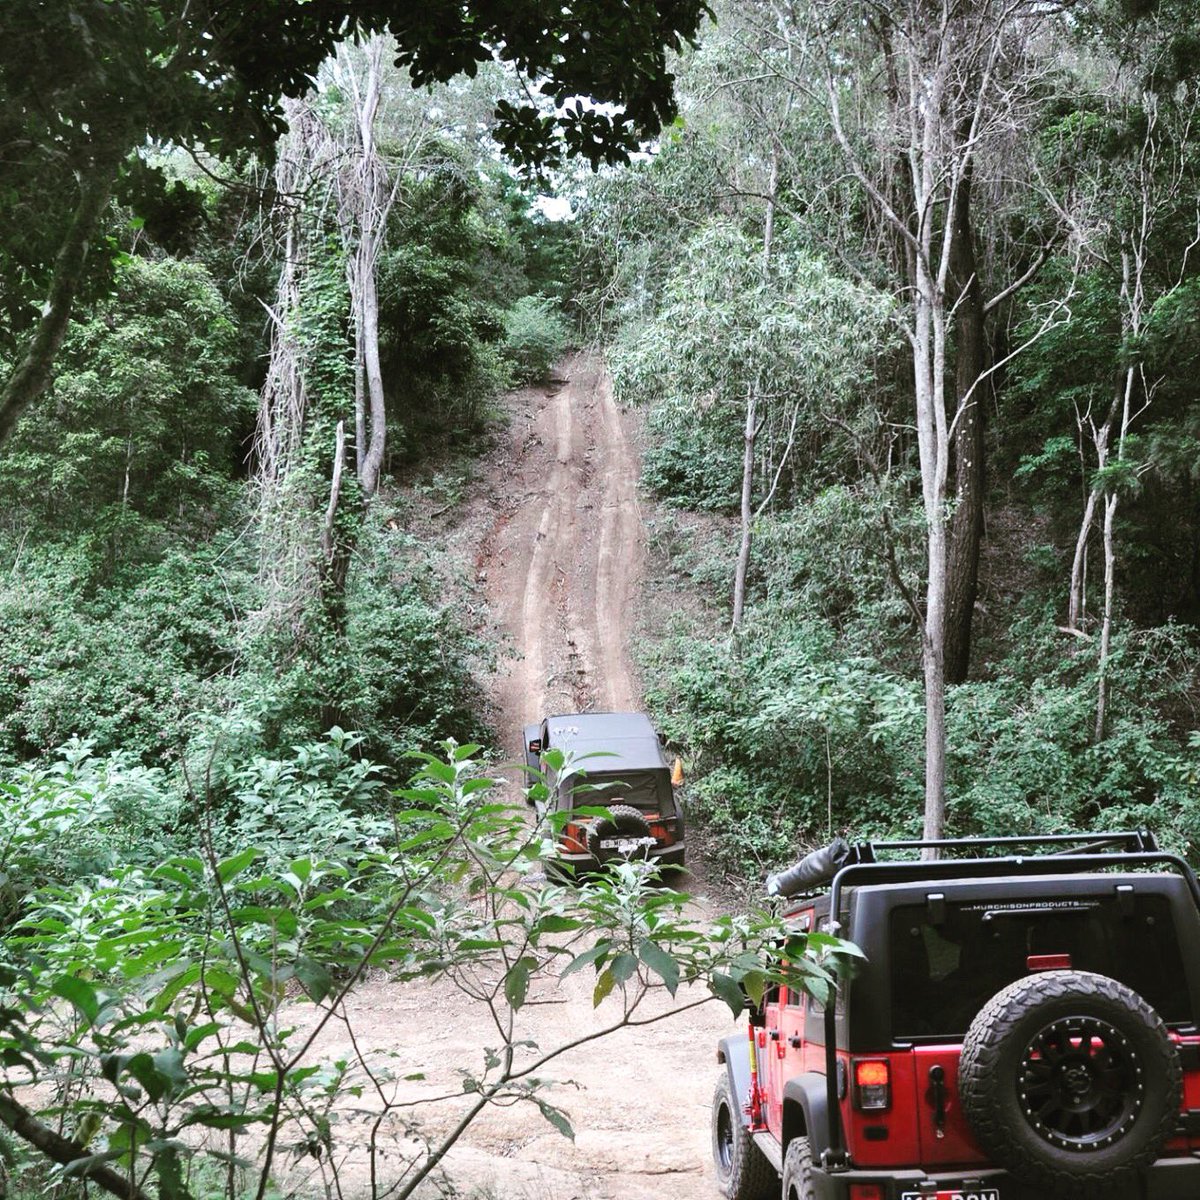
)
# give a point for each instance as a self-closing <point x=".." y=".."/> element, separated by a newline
<point x="1051" y="852"/>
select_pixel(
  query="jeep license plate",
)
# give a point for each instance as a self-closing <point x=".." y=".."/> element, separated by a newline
<point x="625" y="845"/>
<point x="968" y="1193"/>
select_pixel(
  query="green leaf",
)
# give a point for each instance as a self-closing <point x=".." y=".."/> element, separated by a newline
<point x="604" y="985"/>
<point x="516" y="982"/>
<point x="235" y="864"/>
<point x="661" y="963"/>
<point x="314" y="978"/>
<point x="554" y="923"/>
<point x="754" y="984"/>
<point x="623" y="966"/>
<point x="595" y="954"/>
<point x="557" y="1118"/>
<point x="81" y="995"/>
<point x="726" y="988"/>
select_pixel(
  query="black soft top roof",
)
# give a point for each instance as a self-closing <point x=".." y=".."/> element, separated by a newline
<point x="627" y="741"/>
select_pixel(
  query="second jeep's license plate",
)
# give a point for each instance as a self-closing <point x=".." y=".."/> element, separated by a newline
<point x="625" y="845"/>
<point x="982" y="1193"/>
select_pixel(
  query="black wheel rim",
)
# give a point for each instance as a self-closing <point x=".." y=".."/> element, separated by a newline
<point x="724" y="1138"/>
<point x="1081" y="1084"/>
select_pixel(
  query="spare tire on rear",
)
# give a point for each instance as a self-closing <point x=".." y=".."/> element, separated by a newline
<point x="1069" y="1080"/>
<point x="624" y="823"/>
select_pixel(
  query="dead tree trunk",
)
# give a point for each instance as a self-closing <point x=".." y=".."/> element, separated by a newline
<point x="366" y="199"/>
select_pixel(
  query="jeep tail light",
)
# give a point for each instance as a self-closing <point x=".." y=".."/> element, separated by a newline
<point x="535" y="746"/>
<point x="573" y="839"/>
<point x="872" y="1084"/>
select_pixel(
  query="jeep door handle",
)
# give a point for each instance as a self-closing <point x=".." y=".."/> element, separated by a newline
<point x="774" y="1035"/>
<point x="795" y="1042"/>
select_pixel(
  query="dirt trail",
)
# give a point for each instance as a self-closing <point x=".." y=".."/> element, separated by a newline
<point x="563" y="561"/>
<point x="558" y="547"/>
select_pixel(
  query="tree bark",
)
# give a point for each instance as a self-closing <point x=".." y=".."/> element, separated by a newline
<point x="366" y="196"/>
<point x="1110" y="561"/>
<point x="31" y="376"/>
<point x="966" y="525"/>
<point x="372" y="463"/>
<point x="63" y="1150"/>
<point x="1077" y="600"/>
<point x="751" y="432"/>
<point x="743" y="558"/>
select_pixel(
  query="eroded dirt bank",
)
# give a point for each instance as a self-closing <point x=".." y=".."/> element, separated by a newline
<point x="555" y="537"/>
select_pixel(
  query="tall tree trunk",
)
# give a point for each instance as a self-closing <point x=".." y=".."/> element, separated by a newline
<point x="366" y="202"/>
<point x="751" y="431"/>
<point x="743" y="558"/>
<point x="1110" y="561"/>
<point x="1077" y="599"/>
<point x="31" y="376"/>
<point x="368" y="310"/>
<point x="1111" y="503"/>
<point x="966" y="526"/>
<point x="933" y="443"/>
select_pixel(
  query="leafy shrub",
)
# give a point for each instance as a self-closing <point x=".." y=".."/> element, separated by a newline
<point x="77" y="816"/>
<point x="127" y="664"/>
<point x="535" y="336"/>
<point x="176" y="993"/>
<point x="790" y="739"/>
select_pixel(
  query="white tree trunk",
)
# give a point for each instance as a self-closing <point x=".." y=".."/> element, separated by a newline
<point x="1077" y="601"/>
<point x="743" y="558"/>
<point x="751" y="431"/>
<point x="366" y="202"/>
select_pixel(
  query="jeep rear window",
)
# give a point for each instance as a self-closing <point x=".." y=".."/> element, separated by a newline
<point x="641" y="789"/>
<point x="946" y="964"/>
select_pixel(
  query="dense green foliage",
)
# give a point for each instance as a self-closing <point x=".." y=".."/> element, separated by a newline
<point x="809" y="720"/>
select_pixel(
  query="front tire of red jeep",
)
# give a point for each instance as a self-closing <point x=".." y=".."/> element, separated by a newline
<point x="743" y="1172"/>
<point x="797" y="1171"/>
<point x="1070" y="1081"/>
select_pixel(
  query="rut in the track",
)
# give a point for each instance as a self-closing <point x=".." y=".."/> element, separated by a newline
<point x="564" y="559"/>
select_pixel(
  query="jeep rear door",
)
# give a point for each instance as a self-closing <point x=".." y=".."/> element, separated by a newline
<point x="949" y="956"/>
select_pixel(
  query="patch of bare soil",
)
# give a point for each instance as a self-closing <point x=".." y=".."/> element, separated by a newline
<point x="554" y="535"/>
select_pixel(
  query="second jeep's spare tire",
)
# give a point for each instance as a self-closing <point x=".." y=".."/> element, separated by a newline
<point x="625" y="822"/>
<point x="1070" y="1081"/>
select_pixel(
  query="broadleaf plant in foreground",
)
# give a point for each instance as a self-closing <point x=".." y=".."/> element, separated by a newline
<point x="172" y="1013"/>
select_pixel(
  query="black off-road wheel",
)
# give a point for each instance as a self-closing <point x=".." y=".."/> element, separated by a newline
<point x="1070" y="1081"/>
<point x="797" y="1171"/>
<point x="743" y="1172"/>
<point x="625" y="822"/>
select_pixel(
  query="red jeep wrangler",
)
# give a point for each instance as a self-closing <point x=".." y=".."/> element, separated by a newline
<point x="1025" y="1026"/>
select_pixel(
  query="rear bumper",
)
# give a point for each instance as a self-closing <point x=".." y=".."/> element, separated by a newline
<point x="662" y="856"/>
<point x="1169" y="1179"/>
